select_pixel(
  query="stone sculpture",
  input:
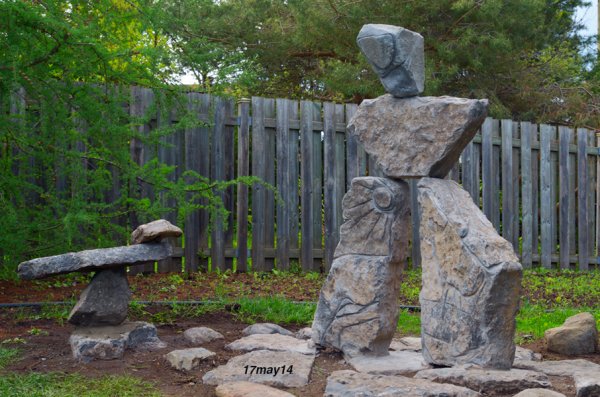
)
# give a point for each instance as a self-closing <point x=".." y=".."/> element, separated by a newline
<point x="471" y="275"/>
<point x="372" y="252"/>
<point x="101" y="312"/>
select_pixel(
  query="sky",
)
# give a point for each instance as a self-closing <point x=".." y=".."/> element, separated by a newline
<point x="589" y="17"/>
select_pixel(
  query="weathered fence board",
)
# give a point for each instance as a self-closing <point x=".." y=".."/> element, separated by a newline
<point x="243" y="169"/>
<point x="564" y="197"/>
<point x="527" y="190"/>
<point x="306" y="174"/>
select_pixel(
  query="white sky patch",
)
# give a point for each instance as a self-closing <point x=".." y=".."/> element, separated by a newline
<point x="589" y="17"/>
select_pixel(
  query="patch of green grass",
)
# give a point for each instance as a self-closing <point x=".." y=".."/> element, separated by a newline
<point x="275" y="310"/>
<point x="534" y="320"/>
<point x="60" y="385"/>
<point x="7" y="355"/>
<point x="59" y="313"/>
<point x="409" y="322"/>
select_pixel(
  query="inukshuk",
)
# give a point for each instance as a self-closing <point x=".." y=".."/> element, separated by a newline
<point x="471" y="275"/>
<point x="100" y="314"/>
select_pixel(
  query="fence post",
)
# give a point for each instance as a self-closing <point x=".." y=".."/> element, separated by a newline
<point x="243" y="169"/>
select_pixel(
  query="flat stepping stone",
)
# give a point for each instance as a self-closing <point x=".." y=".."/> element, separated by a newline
<point x="188" y="359"/>
<point x="265" y="328"/>
<point x="539" y="393"/>
<point x="155" y="230"/>
<point x="200" y="335"/>
<point x="273" y="342"/>
<point x="350" y="384"/>
<point x="92" y="260"/>
<point x="410" y="343"/>
<point x="487" y="380"/>
<point x="249" y="389"/>
<point x="280" y="369"/>
<point x="559" y="368"/>
<point x="396" y="363"/>
<point x="110" y="342"/>
<point x="587" y="384"/>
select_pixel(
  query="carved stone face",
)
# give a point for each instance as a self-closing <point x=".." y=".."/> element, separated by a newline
<point x="376" y="215"/>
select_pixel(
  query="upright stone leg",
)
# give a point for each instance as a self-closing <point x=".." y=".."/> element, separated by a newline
<point x="357" y="311"/>
<point x="471" y="281"/>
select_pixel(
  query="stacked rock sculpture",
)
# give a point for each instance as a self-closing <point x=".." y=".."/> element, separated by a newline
<point x="100" y="314"/>
<point x="471" y="275"/>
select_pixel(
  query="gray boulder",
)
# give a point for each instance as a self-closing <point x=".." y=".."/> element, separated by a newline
<point x="587" y="384"/>
<point x="200" y="335"/>
<point x="578" y="335"/>
<point x="357" y="311"/>
<point x="92" y="260"/>
<point x="417" y="137"/>
<point x="396" y="55"/>
<point x="249" y="389"/>
<point x="188" y="359"/>
<point x="274" y="342"/>
<point x="471" y="281"/>
<point x="487" y="381"/>
<point x="110" y="342"/>
<point x="402" y="362"/>
<point x="539" y="393"/>
<point x="155" y="231"/>
<point x="266" y="328"/>
<point x="104" y="301"/>
<point x="352" y="384"/>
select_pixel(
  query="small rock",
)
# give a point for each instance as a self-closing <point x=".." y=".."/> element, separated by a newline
<point x="396" y="55"/>
<point x="155" y="230"/>
<point x="525" y="354"/>
<point x="188" y="359"/>
<point x="396" y="363"/>
<point x="249" y="389"/>
<point x="487" y="381"/>
<point x="286" y="369"/>
<point x="104" y="301"/>
<point x="578" y="335"/>
<point x="110" y="342"/>
<point x="352" y="384"/>
<point x="587" y="383"/>
<point x="266" y="328"/>
<point x="304" y="333"/>
<point x="539" y="393"/>
<point x="273" y="342"/>
<point x="407" y="343"/>
<point x="200" y="335"/>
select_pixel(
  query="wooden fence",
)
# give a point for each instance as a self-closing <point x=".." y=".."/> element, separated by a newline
<point x="538" y="184"/>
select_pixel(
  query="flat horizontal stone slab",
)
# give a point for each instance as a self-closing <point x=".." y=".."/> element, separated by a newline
<point x="96" y="259"/>
<point x="110" y="342"/>
<point x="352" y="384"/>
<point x="266" y="328"/>
<point x="587" y="384"/>
<point x="279" y="369"/>
<point x="273" y="342"/>
<point x="188" y="359"/>
<point x="539" y="393"/>
<point x="409" y="343"/>
<point x="249" y="389"/>
<point x="418" y="136"/>
<point x="487" y="381"/>
<point x="200" y="335"/>
<point x="396" y="363"/>
<point x="559" y="368"/>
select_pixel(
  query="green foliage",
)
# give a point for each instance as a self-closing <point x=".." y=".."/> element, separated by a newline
<point x="409" y="323"/>
<point x="7" y="356"/>
<point x="276" y="310"/>
<point x="534" y="320"/>
<point x="55" y="385"/>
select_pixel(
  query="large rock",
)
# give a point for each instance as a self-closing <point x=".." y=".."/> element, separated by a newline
<point x="92" y="260"/>
<point x="104" y="301"/>
<point x="110" y="342"/>
<point x="578" y="335"/>
<point x="396" y="55"/>
<point x="249" y="389"/>
<point x="188" y="359"/>
<point x="471" y="281"/>
<point x="487" y="381"/>
<point x="287" y="369"/>
<point x="587" y="384"/>
<point x="357" y="310"/>
<point x="417" y="137"/>
<point x="396" y="363"/>
<point x="352" y="384"/>
<point x="200" y="335"/>
<point x="266" y="328"/>
<point x="155" y="231"/>
<point x="274" y="342"/>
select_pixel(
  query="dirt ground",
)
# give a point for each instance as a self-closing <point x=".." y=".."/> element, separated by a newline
<point x="49" y="351"/>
